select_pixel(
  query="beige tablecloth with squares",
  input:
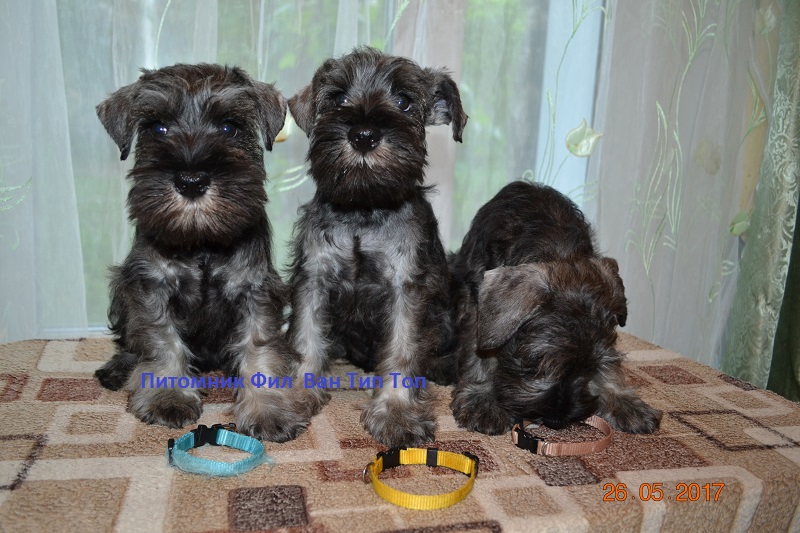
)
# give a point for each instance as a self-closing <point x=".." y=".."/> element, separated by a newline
<point x="727" y="458"/>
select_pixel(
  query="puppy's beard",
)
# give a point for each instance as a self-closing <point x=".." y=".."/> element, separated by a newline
<point x="380" y="178"/>
<point x="197" y="214"/>
<point x="177" y="220"/>
<point x="354" y="162"/>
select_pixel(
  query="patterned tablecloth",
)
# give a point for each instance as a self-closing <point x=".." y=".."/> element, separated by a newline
<point x="727" y="458"/>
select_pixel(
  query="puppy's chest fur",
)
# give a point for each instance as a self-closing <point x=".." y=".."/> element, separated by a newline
<point x="363" y="263"/>
<point x="203" y="293"/>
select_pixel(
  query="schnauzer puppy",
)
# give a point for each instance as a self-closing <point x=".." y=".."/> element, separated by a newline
<point x="370" y="279"/>
<point x="538" y="311"/>
<point x="198" y="290"/>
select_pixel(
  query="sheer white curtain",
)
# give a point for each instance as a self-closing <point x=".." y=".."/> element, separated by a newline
<point x="432" y="33"/>
<point x="529" y="71"/>
<point x="62" y="186"/>
<point x="683" y="101"/>
<point x="38" y="209"/>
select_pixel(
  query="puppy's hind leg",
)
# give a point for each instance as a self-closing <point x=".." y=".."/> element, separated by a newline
<point x="115" y="373"/>
<point x="620" y="405"/>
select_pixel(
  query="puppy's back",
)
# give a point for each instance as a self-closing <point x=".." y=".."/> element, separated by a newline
<point x="525" y="223"/>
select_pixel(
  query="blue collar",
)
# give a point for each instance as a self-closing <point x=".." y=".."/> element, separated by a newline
<point x="178" y="451"/>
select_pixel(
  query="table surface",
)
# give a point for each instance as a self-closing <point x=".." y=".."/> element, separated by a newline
<point x="727" y="458"/>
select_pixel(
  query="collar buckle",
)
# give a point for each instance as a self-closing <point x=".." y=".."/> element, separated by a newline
<point x="526" y="441"/>
<point x="391" y="457"/>
<point x="179" y="456"/>
<point x="208" y="435"/>
<point x="475" y="459"/>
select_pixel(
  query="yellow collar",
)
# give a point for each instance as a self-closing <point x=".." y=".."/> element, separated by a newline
<point x="466" y="463"/>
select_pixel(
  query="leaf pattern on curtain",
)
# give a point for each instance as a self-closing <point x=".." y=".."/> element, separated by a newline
<point x="548" y="173"/>
<point x="683" y="97"/>
<point x="765" y="260"/>
<point x="10" y="197"/>
<point x="658" y="199"/>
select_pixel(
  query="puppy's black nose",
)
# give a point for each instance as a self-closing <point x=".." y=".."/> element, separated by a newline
<point x="192" y="184"/>
<point x="364" y="138"/>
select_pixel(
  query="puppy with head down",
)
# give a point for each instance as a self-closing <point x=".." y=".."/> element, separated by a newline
<point x="538" y="312"/>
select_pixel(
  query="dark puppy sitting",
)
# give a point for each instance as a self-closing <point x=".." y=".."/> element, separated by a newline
<point x="538" y="312"/>
<point x="370" y="279"/>
<point x="198" y="290"/>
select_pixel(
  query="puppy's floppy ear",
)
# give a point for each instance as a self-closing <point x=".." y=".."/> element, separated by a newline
<point x="117" y="115"/>
<point x="507" y="297"/>
<point x="302" y="107"/>
<point x="271" y="108"/>
<point x="303" y="104"/>
<point x="619" y="305"/>
<point x="446" y="107"/>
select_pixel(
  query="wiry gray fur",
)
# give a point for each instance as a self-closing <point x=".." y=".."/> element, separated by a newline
<point x="198" y="290"/>
<point x="538" y="313"/>
<point x="370" y="280"/>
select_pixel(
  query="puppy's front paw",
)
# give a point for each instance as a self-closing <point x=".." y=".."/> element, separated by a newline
<point x="399" y="423"/>
<point x="315" y="399"/>
<point x="632" y="415"/>
<point x="272" y="426"/>
<point x="166" y="407"/>
<point x="478" y="411"/>
<point x="276" y="416"/>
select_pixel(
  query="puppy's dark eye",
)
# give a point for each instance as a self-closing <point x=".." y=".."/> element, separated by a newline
<point x="341" y="99"/>
<point x="228" y="129"/>
<point x="403" y="103"/>
<point x="158" y="129"/>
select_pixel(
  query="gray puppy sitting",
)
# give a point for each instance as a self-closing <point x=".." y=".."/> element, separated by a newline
<point x="370" y="279"/>
<point x="538" y="313"/>
<point x="198" y="290"/>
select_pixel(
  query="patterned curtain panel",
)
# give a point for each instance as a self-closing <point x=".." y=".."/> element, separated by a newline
<point x="764" y="342"/>
<point x="684" y="103"/>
